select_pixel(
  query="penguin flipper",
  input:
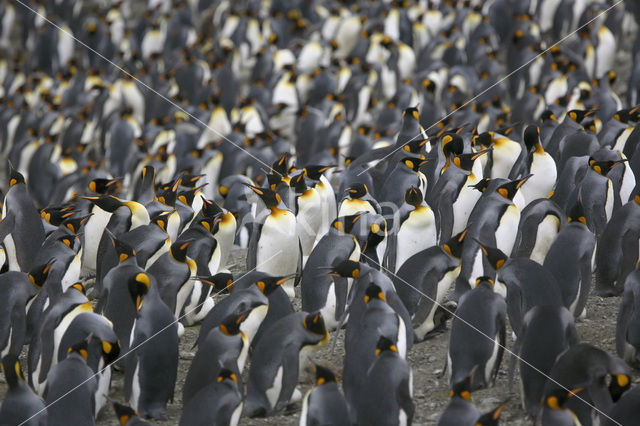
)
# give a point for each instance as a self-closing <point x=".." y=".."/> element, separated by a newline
<point x="404" y="398"/>
<point x="340" y="286"/>
<point x="6" y="226"/>
<point x="445" y="220"/>
<point x="252" y="248"/>
<point x="289" y="375"/>
<point x="624" y="317"/>
<point x="502" y="340"/>
<point x="299" y="268"/>
<point x="514" y="308"/>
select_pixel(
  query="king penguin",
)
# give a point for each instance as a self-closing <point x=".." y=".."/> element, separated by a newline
<point x="323" y="403"/>
<point x="20" y="405"/>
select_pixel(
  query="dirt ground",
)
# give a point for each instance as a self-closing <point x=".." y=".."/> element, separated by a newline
<point x="426" y="359"/>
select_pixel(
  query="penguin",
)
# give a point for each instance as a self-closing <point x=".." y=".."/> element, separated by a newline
<point x="321" y="291"/>
<point x="19" y="291"/>
<point x="323" y="403"/>
<point x="432" y="272"/>
<point x="358" y="199"/>
<point x="600" y="377"/>
<point x="625" y="409"/>
<point x="154" y="345"/>
<point x="274" y="247"/>
<point x="277" y="360"/>
<point x="460" y="410"/>
<point x="416" y="229"/>
<point x="223" y="347"/>
<point x="503" y="156"/>
<point x="616" y="251"/>
<point x="325" y="190"/>
<point x="627" y="342"/>
<point x="221" y="402"/>
<point x="308" y="214"/>
<point x="174" y="272"/>
<point x="539" y="224"/>
<point x="551" y="327"/>
<point x="70" y="388"/>
<point x="540" y="164"/>
<point x="485" y="311"/>
<point x="386" y="395"/>
<point x="405" y="174"/>
<point x="128" y="416"/>
<point x="20" y="404"/>
<point x="527" y="284"/>
<point x="378" y="319"/>
<point x="21" y="229"/>
<point x="570" y="259"/>
<point x="102" y="209"/>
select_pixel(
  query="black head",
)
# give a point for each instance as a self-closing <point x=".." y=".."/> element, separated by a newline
<point x="374" y="292"/>
<point x="484" y="139"/>
<point x="454" y="246"/>
<point x="619" y="384"/>
<point x="462" y="388"/>
<point x="346" y="269"/>
<point x="222" y="281"/>
<point x="281" y="165"/>
<point x="548" y="115"/>
<point x="108" y="203"/>
<point x="452" y="144"/>
<point x="384" y="344"/>
<point x="465" y="161"/>
<point x="413" y="163"/>
<point x="15" y="177"/>
<point x="508" y="190"/>
<point x="298" y="184"/>
<point x="68" y="240"/>
<point x="81" y="348"/>
<point x="315" y="323"/>
<point x="576" y="213"/>
<point x="105" y="186"/>
<point x="414" y="146"/>
<point x="494" y="255"/>
<point x="12" y="370"/>
<point x="179" y="249"/>
<point x="139" y="286"/>
<point x="324" y="375"/>
<point x="210" y="208"/>
<point x="492" y="417"/>
<point x="559" y="397"/>
<point x="123" y="250"/>
<point x="268" y="284"/>
<point x="110" y="351"/>
<point x="578" y="115"/>
<point x="482" y="185"/>
<point x="231" y="324"/>
<point x="413" y="196"/>
<point x="357" y="190"/>
<point x="411" y="112"/>
<point x="268" y="196"/>
<point x="315" y="172"/>
<point x="226" y="374"/>
<point x="38" y="274"/>
<point x="604" y="167"/>
<point x="124" y="413"/>
<point x="531" y="137"/>
<point x="485" y="281"/>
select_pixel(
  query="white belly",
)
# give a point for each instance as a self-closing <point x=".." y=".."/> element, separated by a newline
<point x="182" y="296"/>
<point x="92" y="235"/>
<point x="544" y="178"/>
<point x="463" y="206"/>
<point x="273" y="393"/>
<point x="547" y="231"/>
<point x="11" y="254"/>
<point x="507" y="229"/>
<point x="251" y="324"/>
<point x="504" y="157"/>
<point x="443" y="288"/>
<point x="351" y="207"/>
<point x="329" y="310"/>
<point x="492" y="360"/>
<point x="278" y="248"/>
<point x="417" y="233"/>
<point x="135" y="388"/>
<point x="72" y="274"/>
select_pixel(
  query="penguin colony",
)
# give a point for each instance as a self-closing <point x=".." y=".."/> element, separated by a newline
<point x="382" y="175"/>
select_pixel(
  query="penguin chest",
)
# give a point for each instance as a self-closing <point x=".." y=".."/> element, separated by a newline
<point x="273" y="393"/>
<point x="547" y="231"/>
<point x="251" y="324"/>
<point x="278" y="248"/>
<point x="608" y="205"/>
<point x="444" y="285"/>
<point x="544" y="177"/>
<point x="505" y="154"/>
<point x="92" y="235"/>
<point x="507" y="229"/>
<point x="463" y="205"/>
<point x="328" y="311"/>
<point x="309" y="219"/>
<point x="416" y="233"/>
<point x="491" y="362"/>
<point x="351" y="207"/>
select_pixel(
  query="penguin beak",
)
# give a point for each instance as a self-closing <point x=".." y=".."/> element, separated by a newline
<point x="285" y="279"/>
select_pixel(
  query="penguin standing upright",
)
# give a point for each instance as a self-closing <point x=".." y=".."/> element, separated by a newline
<point x="20" y="404"/>
<point x="386" y="395"/>
<point x="460" y="410"/>
<point x="541" y="166"/>
<point x="277" y="360"/>
<point x="323" y="403"/>
<point x="147" y="391"/>
<point x="628" y="321"/>
<point x="308" y="214"/>
<point x="539" y="224"/>
<point x="21" y="229"/>
<point x="274" y="247"/>
<point x="328" y="196"/>
<point x="484" y="310"/>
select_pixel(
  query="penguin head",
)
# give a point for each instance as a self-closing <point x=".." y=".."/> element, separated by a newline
<point x="11" y="370"/>
<point x="384" y="344"/>
<point x="323" y="375"/>
<point x="105" y="186"/>
<point x="465" y="161"/>
<point x="451" y="143"/>
<point x="123" y="250"/>
<point x="346" y="269"/>
<point x="413" y="196"/>
<point x="576" y="213"/>
<point x="231" y="324"/>
<point x="270" y="198"/>
<point x="15" y="177"/>
<point x="210" y="208"/>
<point x="38" y="274"/>
<point x="374" y="292"/>
<point x="222" y="281"/>
<point x="74" y="224"/>
<point x="78" y="286"/>
<point x="619" y="384"/>
<point x="315" y="172"/>
<point x="211" y="224"/>
<point x="377" y="231"/>
<point x="492" y="417"/>
<point x="346" y="223"/>
<point x="462" y="388"/>
<point x="281" y="165"/>
<point x="603" y="167"/>
<point x="298" y="184"/>
<point x="178" y="250"/>
<point x="485" y="281"/>
<point x="532" y="137"/>
<point x="508" y="190"/>
<point x="483" y="139"/>
<point x="68" y="240"/>
<point x="56" y="215"/>
<point x="226" y="374"/>
<point x="559" y="397"/>
<point x="269" y="284"/>
<point x="357" y="190"/>
<point x="314" y="323"/>
<point x="494" y="255"/>
<point x="414" y="146"/>
<point x="110" y="351"/>
<point x="578" y="115"/>
<point x="81" y="348"/>
<point x="482" y="185"/>
<point x="139" y="286"/>
<point x="413" y="163"/>
<point x="548" y="115"/>
<point x="454" y="246"/>
<point x="123" y="412"/>
<point x="108" y="203"/>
